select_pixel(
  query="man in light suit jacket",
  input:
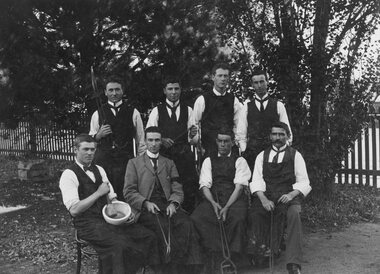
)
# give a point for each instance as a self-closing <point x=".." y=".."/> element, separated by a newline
<point x="152" y="189"/>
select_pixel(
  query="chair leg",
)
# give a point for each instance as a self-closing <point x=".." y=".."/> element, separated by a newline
<point x="79" y="258"/>
<point x="100" y="268"/>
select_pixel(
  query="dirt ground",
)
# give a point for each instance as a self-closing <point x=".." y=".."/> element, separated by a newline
<point x="353" y="250"/>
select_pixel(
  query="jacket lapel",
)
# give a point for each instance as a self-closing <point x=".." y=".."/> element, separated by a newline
<point x="148" y="163"/>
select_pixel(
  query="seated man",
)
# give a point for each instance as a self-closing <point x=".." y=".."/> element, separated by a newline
<point x="152" y="189"/>
<point x="222" y="179"/>
<point x="279" y="182"/>
<point x="85" y="190"/>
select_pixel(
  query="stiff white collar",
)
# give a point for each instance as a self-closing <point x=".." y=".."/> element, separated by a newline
<point x="117" y="104"/>
<point x="152" y="155"/>
<point x="176" y="103"/>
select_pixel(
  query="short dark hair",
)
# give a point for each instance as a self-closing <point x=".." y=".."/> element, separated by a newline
<point x="152" y="129"/>
<point x="225" y="131"/>
<point x="83" y="137"/>
<point x="114" y="79"/>
<point x="171" y="79"/>
<point x="283" y="126"/>
<point x="260" y="71"/>
<point x="220" y="66"/>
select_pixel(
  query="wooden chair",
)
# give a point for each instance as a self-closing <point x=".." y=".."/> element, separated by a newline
<point x="85" y="249"/>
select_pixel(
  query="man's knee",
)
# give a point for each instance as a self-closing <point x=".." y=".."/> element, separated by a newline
<point x="293" y="213"/>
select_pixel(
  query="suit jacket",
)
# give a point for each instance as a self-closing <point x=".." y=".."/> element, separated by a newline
<point x="140" y="179"/>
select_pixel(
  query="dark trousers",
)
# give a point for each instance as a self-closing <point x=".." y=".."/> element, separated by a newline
<point x="259" y="232"/>
<point x="122" y="249"/>
<point x="235" y="225"/>
<point x="185" y="249"/>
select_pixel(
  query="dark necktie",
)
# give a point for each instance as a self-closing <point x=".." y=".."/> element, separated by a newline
<point x="116" y="109"/>
<point x="154" y="160"/>
<point x="275" y="158"/>
<point x="261" y="103"/>
<point x="90" y="168"/>
<point x="173" y="109"/>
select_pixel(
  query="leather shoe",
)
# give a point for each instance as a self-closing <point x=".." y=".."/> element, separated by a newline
<point x="293" y="268"/>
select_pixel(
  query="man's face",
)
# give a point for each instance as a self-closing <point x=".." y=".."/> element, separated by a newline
<point x="172" y="92"/>
<point x="85" y="152"/>
<point x="153" y="142"/>
<point x="260" y="84"/>
<point x="114" y="92"/>
<point x="224" y="143"/>
<point x="220" y="79"/>
<point x="278" y="137"/>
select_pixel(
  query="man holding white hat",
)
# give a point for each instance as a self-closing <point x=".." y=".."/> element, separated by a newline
<point x="85" y="190"/>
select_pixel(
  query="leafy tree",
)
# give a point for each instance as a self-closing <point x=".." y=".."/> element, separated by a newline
<point x="51" y="46"/>
<point x="311" y="49"/>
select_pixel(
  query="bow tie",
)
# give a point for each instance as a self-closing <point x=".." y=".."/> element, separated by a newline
<point x="90" y="168"/>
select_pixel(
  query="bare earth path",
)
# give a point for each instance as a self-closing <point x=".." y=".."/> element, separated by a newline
<point x="353" y="250"/>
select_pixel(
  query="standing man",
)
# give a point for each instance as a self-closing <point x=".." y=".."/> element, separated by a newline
<point x="222" y="179"/>
<point x="175" y="122"/>
<point x="279" y="183"/>
<point x="152" y="189"/>
<point x="256" y="119"/>
<point x="114" y="126"/>
<point x="85" y="190"/>
<point x="216" y="109"/>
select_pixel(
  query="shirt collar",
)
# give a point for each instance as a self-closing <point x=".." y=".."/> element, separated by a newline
<point x="151" y="155"/>
<point x="227" y="155"/>
<point x="170" y="103"/>
<point x="79" y="164"/>
<point x="117" y="104"/>
<point x="281" y="148"/>
<point x="258" y="98"/>
<point x="217" y="93"/>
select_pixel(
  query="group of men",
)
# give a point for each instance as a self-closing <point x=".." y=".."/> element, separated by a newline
<point x="177" y="227"/>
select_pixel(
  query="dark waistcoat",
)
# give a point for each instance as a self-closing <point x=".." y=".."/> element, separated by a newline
<point x="85" y="189"/>
<point x="279" y="177"/>
<point x="259" y="123"/>
<point x="223" y="174"/>
<point x="122" y="128"/>
<point x="218" y="113"/>
<point x="175" y="130"/>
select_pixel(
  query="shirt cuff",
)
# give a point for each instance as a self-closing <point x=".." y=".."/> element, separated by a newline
<point x="304" y="189"/>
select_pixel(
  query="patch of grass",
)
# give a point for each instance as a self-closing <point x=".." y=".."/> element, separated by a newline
<point x="348" y="204"/>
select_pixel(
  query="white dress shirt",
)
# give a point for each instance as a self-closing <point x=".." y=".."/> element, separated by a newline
<point x="199" y="107"/>
<point x="302" y="179"/>
<point x="154" y="116"/>
<point x="242" y="126"/>
<point x="137" y="123"/>
<point x="69" y="185"/>
<point x="242" y="174"/>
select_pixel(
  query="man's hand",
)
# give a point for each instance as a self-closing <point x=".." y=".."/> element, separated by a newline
<point x="217" y="209"/>
<point x="104" y="131"/>
<point x="170" y="210"/>
<point x="267" y="204"/>
<point x="167" y="142"/>
<point x="286" y="198"/>
<point x="103" y="189"/>
<point x="193" y="131"/>
<point x="151" y="207"/>
<point x="223" y="213"/>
